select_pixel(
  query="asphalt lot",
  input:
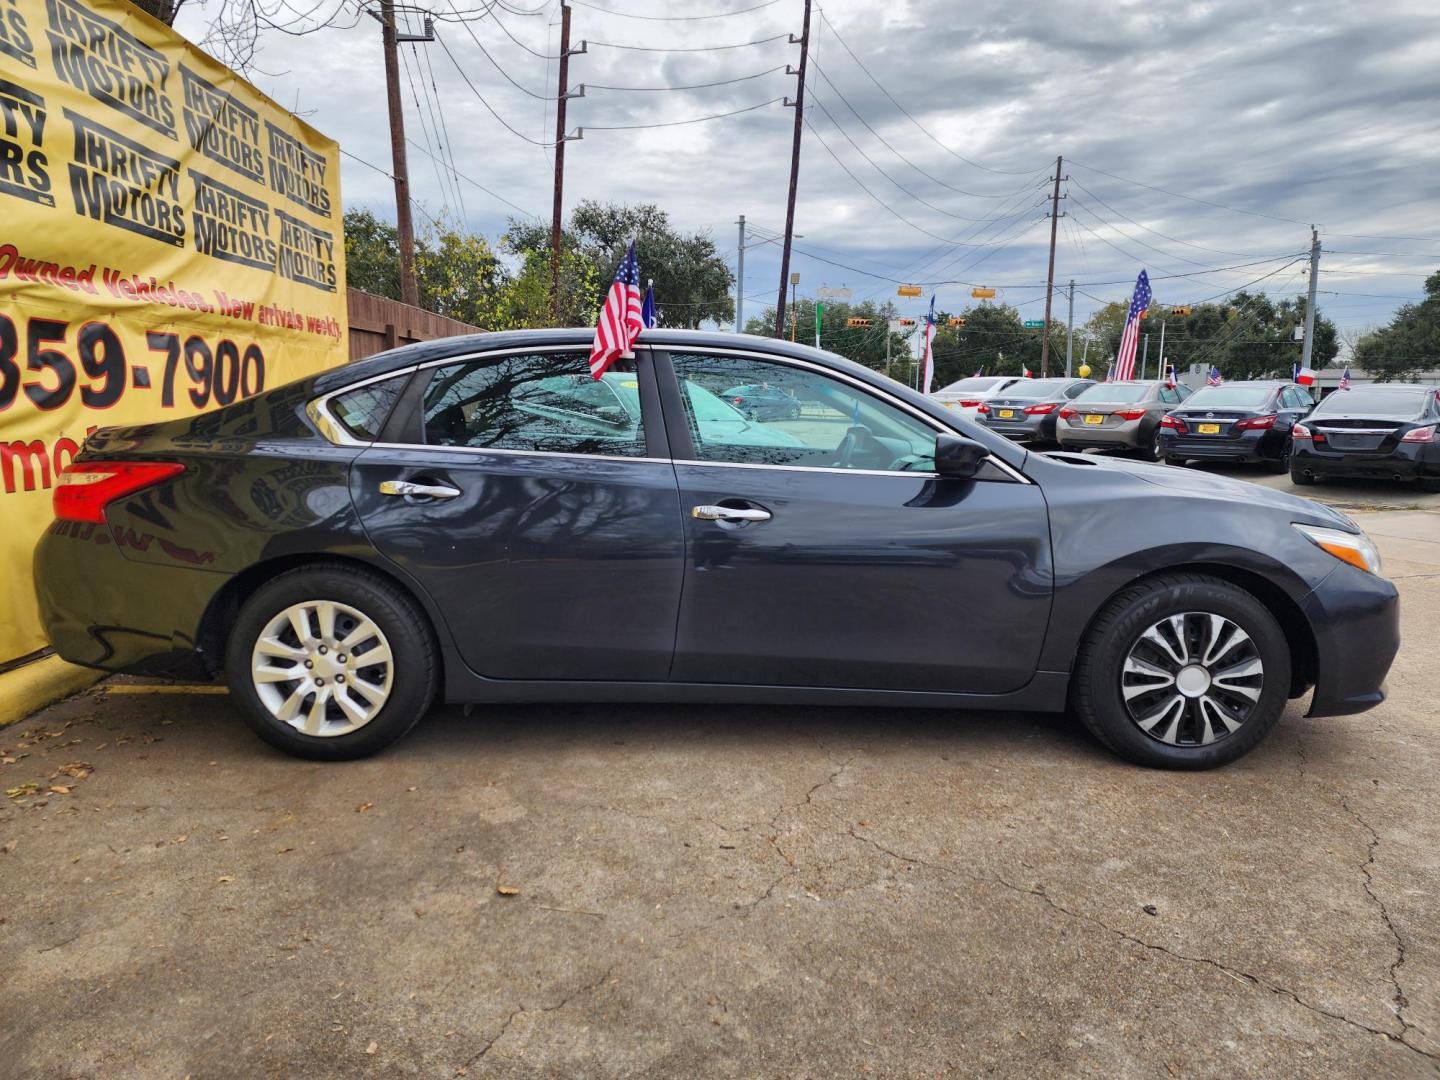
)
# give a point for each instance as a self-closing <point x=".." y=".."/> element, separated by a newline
<point x="777" y="892"/>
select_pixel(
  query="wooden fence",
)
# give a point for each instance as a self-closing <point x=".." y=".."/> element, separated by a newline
<point x="378" y="323"/>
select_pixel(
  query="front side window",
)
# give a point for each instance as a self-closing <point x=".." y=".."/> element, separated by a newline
<point x="535" y="401"/>
<point x="363" y="411"/>
<point x="1168" y="396"/>
<point x="833" y="425"/>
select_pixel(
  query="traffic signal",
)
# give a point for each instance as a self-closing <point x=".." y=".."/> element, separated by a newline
<point x="906" y="322"/>
<point x="1182" y="310"/>
<point x="857" y="324"/>
<point x="957" y="320"/>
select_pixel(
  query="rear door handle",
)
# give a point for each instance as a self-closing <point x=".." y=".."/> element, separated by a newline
<point x="405" y="487"/>
<point x="732" y="514"/>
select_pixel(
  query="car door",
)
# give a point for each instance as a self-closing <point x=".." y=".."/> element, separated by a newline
<point x="824" y="551"/>
<point x="539" y="510"/>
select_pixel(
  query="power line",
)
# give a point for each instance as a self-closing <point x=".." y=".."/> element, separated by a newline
<point x="685" y="49"/>
<point x="692" y="86"/>
<point x="672" y="18"/>
<point x="475" y="183"/>
<point x="445" y="129"/>
<point x="1157" y="232"/>
<point x="496" y="64"/>
<point x="488" y="106"/>
<point x="677" y="123"/>
<point x="924" y="130"/>
<point x="1081" y="205"/>
<point x="389" y="176"/>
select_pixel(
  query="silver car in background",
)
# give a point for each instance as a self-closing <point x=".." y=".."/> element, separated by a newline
<point x="965" y="396"/>
<point x="1029" y="410"/>
<point x="1119" y="416"/>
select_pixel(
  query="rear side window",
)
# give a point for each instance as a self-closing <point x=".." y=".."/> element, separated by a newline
<point x="537" y="402"/>
<point x="1168" y="396"/>
<point x="363" y="411"/>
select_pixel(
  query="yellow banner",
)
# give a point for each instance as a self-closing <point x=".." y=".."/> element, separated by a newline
<point x="170" y="242"/>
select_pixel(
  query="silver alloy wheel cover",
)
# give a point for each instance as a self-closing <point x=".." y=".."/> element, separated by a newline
<point x="322" y="667"/>
<point x="1191" y="679"/>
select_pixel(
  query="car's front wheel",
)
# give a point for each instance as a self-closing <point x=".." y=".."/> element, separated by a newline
<point x="1183" y="671"/>
<point x="330" y="663"/>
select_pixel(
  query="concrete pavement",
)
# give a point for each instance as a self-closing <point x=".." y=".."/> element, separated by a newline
<point x="733" y="892"/>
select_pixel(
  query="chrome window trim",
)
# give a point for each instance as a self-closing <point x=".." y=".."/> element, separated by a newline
<point x="865" y="387"/>
<point x="318" y="411"/>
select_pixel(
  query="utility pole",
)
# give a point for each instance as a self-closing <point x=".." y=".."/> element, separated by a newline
<point x="799" y="104"/>
<point x="1050" y="275"/>
<point x="555" y="219"/>
<point x="1070" y="330"/>
<point x="409" y="291"/>
<point x="740" y="281"/>
<point x="1145" y="358"/>
<point x="1310" y="303"/>
<point x="1160" y="364"/>
<point x="794" y="311"/>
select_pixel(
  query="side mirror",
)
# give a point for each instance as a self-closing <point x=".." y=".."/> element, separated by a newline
<point x="958" y="457"/>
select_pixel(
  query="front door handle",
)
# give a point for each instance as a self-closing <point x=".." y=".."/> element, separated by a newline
<point x="732" y="514"/>
<point x="405" y="487"/>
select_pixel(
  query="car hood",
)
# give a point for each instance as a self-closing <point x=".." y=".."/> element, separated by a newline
<point x="1193" y="483"/>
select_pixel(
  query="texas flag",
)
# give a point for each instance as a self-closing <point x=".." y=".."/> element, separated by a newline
<point x="1304" y="376"/>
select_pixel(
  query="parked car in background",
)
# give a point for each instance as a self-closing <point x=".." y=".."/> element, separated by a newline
<point x="476" y="520"/>
<point x="763" y="402"/>
<point x="1380" y="431"/>
<point x="966" y="395"/>
<point x="1029" y="410"/>
<point x="1239" y="421"/>
<point x="1119" y="416"/>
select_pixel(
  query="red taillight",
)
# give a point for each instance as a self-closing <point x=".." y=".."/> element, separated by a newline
<point x="1040" y="410"/>
<point x="983" y="408"/>
<point x="1131" y="414"/>
<point x="968" y="403"/>
<point x="1256" y="423"/>
<point x="1300" y="431"/>
<point x="1420" y="434"/>
<point x="1175" y="424"/>
<point x="87" y="487"/>
<point x="1066" y="413"/>
<point x="738" y="401"/>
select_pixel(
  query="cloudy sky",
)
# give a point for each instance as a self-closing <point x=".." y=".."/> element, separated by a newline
<point x="1267" y="115"/>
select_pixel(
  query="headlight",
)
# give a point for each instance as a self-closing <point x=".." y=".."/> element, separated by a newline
<point x="1353" y="548"/>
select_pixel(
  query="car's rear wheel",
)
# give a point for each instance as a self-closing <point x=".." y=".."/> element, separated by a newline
<point x="1152" y="450"/>
<point x="1301" y="478"/>
<point x="1182" y="671"/>
<point x="331" y="664"/>
<point x="1429" y="484"/>
<point x="1281" y="465"/>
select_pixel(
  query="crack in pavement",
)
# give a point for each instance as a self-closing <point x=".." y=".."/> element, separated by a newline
<point x="1235" y="973"/>
<point x="464" y="1069"/>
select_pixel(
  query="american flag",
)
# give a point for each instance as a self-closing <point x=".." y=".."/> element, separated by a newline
<point x="929" y="361"/>
<point x="620" y="320"/>
<point x="1213" y="379"/>
<point x="1345" y="378"/>
<point x="1130" y="338"/>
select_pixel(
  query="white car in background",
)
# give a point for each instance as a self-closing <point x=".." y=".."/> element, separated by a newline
<point x="966" y="395"/>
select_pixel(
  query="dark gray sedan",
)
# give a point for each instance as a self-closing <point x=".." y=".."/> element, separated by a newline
<point x="1119" y="416"/>
<point x="474" y="520"/>
<point x="1028" y="411"/>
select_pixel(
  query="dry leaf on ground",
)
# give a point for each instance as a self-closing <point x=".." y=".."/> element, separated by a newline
<point x="507" y="890"/>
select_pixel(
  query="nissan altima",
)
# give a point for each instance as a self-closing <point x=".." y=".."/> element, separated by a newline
<point x="475" y="520"/>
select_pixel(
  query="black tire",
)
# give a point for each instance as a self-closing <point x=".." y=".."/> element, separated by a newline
<point x="415" y="660"/>
<point x="1096" y="685"/>
<point x="1429" y="484"/>
<point x="1178" y="462"/>
<point x="1281" y="465"/>
<point x="1300" y="478"/>
<point x="1152" y="451"/>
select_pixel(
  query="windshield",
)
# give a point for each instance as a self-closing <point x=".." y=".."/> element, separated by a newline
<point x="709" y="407"/>
<point x="1119" y="392"/>
<point x="1387" y="401"/>
<point x="1227" y="397"/>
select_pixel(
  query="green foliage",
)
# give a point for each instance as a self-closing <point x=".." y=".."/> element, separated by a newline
<point x="692" y="282"/>
<point x="865" y="344"/>
<point x="372" y="254"/>
<point x="1410" y="344"/>
<point x="1248" y="337"/>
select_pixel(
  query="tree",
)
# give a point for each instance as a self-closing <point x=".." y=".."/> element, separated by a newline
<point x="692" y="282"/>
<point x="372" y="254"/>
<point x="1410" y="344"/>
<point x="164" y="10"/>
<point x="1248" y="337"/>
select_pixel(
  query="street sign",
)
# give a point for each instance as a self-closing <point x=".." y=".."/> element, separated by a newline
<point x="981" y="293"/>
<point x="908" y="290"/>
<point x="1034" y="324"/>
<point x="833" y="294"/>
